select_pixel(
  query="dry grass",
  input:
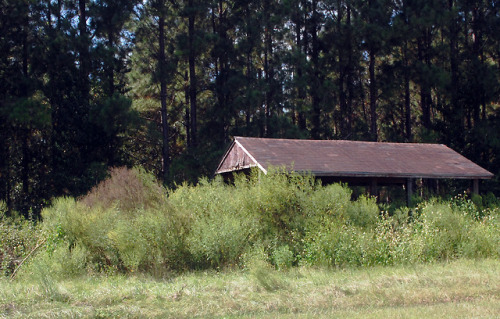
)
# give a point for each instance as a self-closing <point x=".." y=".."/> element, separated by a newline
<point x="459" y="289"/>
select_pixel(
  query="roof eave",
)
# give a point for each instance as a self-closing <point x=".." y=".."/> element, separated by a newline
<point x="393" y="175"/>
<point x="240" y="168"/>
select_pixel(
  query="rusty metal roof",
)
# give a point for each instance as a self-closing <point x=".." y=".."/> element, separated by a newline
<point x="350" y="158"/>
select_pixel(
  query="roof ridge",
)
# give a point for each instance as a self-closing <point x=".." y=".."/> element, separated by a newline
<point x="347" y="141"/>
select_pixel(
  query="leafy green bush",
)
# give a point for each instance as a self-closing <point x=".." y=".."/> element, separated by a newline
<point x="220" y="228"/>
<point x="283" y="257"/>
<point x="328" y="203"/>
<point x="338" y="245"/>
<point x="162" y="233"/>
<point x="148" y="240"/>
<point x="440" y="230"/>
<point x="279" y="202"/>
<point x="69" y="223"/>
<point x="487" y="201"/>
<point x="445" y="230"/>
<point x="18" y="237"/>
<point x="363" y="212"/>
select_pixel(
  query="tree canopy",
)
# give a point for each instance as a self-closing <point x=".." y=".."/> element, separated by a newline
<point x="164" y="84"/>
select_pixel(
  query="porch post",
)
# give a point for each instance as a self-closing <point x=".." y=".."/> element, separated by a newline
<point x="475" y="188"/>
<point x="373" y="187"/>
<point x="409" y="191"/>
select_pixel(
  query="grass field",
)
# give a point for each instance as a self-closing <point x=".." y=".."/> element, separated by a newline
<point x="458" y="289"/>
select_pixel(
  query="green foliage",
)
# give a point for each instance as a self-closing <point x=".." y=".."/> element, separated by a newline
<point x="18" y="237"/>
<point x="283" y="257"/>
<point x="329" y="203"/>
<point x="484" y="202"/>
<point x="448" y="230"/>
<point x="130" y="224"/>
<point x="336" y="245"/>
<point x="221" y="229"/>
<point x="78" y="96"/>
<point x="3" y="209"/>
<point x="124" y="224"/>
<point x="29" y="112"/>
<point x="441" y="230"/>
<point x="162" y="234"/>
<point x="363" y="212"/>
<point x="83" y="226"/>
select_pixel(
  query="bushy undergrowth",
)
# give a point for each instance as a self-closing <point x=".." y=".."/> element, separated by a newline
<point x="18" y="237"/>
<point x="131" y="224"/>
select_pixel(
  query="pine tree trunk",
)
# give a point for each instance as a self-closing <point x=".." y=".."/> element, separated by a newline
<point x="163" y="98"/>
<point x="342" y="76"/>
<point x="25" y="132"/>
<point x="192" y="74"/>
<point x="425" y="93"/>
<point x="84" y="52"/>
<point x="407" y="101"/>
<point x="249" y="103"/>
<point x="187" y="111"/>
<point x="267" y="67"/>
<point x="110" y="67"/>
<point x="373" y="97"/>
<point x="58" y="13"/>
<point x="477" y="48"/>
<point x="456" y="109"/>
<point x="373" y="84"/>
<point x="301" y="118"/>
<point x="349" y="71"/>
<point x="315" y="94"/>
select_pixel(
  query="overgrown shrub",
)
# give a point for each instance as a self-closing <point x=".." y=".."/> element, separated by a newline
<point x="162" y="233"/>
<point x="283" y="257"/>
<point x="132" y="224"/>
<point x="338" y="244"/>
<point x="281" y="204"/>
<point x="363" y="212"/>
<point x="115" y="237"/>
<point x="69" y="223"/>
<point x="439" y="231"/>
<point x="456" y="229"/>
<point x="328" y="203"/>
<point x="18" y="237"/>
<point x="221" y="229"/>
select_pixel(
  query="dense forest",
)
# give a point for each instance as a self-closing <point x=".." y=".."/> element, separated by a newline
<point x="164" y="84"/>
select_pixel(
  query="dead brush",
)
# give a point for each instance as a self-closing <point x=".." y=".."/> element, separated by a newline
<point x="128" y="189"/>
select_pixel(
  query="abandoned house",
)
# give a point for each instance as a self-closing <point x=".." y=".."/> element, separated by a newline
<point x="370" y="164"/>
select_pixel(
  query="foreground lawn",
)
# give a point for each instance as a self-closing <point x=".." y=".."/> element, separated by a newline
<point x="458" y="289"/>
